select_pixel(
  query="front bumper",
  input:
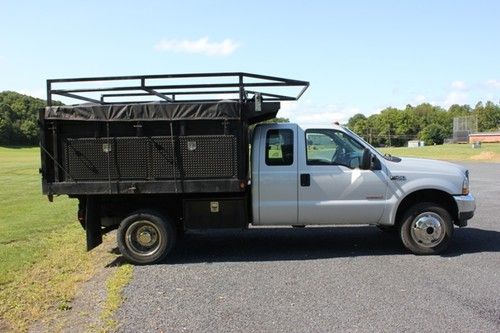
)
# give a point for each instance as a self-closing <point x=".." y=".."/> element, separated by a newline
<point x="466" y="205"/>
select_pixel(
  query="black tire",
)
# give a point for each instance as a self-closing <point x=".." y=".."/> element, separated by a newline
<point x="426" y="228"/>
<point x="146" y="237"/>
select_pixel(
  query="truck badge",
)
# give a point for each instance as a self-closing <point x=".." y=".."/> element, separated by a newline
<point x="191" y="145"/>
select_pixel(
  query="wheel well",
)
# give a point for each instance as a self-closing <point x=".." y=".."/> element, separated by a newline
<point x="441" y="198"/>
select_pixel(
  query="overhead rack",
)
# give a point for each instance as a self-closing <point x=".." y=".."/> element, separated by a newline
<point x="176" y="88"/>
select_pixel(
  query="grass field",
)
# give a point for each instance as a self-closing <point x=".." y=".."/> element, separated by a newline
<point x="489" y="152"/>
<point x="25" y="214"/>
<point x="42" y="247"/>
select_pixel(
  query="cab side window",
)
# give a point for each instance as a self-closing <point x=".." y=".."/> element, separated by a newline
<point x="279" y="147"/>
<point x="331" y="147"/>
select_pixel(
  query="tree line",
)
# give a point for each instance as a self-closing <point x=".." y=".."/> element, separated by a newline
<point x="426" y="122"/>
<point x="19" y="118"/>
<point x="392" y="126"/>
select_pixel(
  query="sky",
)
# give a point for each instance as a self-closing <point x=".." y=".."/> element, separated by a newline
<point x="359" y="56"/>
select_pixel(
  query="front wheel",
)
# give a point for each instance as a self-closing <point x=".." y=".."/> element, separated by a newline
<point x="426" y="228"/>
<point x="146" y="237"/>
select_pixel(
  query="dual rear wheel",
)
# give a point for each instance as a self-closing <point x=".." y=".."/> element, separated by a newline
<point x="146" y="237"/>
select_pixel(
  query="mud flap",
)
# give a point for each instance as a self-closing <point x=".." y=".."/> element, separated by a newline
<point x="93" y="223"/>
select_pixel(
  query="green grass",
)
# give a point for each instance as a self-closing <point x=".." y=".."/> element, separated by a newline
<point x="114" y="299"/>
<point x="26" y="217"/>
<point x="42" y="246"/>
<point x="489" y="152"/>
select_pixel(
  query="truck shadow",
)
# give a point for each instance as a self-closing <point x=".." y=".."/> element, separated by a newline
<point x="278" y="244"/>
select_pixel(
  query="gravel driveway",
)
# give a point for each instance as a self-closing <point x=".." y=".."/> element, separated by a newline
<point x="325" y="279"/>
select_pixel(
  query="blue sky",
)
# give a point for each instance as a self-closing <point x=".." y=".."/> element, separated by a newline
<point x="360" y="56"/>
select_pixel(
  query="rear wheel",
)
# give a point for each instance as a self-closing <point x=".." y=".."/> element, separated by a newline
<point x="146" y="237"/>
<point x="426" y="228"/>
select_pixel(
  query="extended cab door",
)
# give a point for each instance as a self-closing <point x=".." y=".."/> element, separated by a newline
<point x="333" y="190"/>
<point x="274" y="175"/>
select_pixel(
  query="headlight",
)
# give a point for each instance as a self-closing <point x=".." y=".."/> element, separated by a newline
<point x="465" y="185"/>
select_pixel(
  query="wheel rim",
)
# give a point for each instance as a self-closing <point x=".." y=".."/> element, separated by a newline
<point x="427" y="229"/>
<point x="143" y="238"/>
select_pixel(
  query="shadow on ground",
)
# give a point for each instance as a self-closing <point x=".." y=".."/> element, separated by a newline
<point x="118" y="261"/>
<point x="278" y="244"/>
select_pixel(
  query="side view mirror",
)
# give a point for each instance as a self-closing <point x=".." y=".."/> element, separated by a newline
<point x="366" y="160"/>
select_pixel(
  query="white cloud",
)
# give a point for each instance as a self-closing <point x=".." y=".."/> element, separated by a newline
<point x="199" y="46"/>
<point x="420" y="99"/>
<point x="36" y="92"/>
<point x="493" y="83"/>
<point x="459" y="85"/>
<point x="308" y="114"/>
<point x="455" y="97"/>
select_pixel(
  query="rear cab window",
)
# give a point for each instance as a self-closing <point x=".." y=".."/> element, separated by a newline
<point x="279" y="147"/>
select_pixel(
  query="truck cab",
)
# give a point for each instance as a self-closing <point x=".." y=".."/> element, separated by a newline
<point x="326" y="176"/>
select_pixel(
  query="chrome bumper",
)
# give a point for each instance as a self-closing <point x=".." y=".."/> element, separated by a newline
<point x="466" y="206"/>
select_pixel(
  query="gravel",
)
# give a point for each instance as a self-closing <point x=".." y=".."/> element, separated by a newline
<point x="325" y="279"/>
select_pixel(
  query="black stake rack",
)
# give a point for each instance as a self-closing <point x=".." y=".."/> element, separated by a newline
<point x="176" y="88"/>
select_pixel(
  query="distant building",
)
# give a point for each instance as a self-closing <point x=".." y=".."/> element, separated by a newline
<point x="484" y="137"/>
<point x="415" y="143"/>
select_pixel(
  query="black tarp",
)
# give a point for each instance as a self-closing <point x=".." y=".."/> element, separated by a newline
<point x="223" y="110"/>
<point x="144" y="112"/>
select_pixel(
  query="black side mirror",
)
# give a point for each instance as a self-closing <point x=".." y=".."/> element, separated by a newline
<point x="366" y="160"/>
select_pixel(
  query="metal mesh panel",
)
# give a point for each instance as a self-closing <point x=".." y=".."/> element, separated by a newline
<point x="87" y="158"/>
<point x="204" y="156"/>
<point x="162" y="158"/>
<point x="130" y="158"/>
<point x="208" y="156"/>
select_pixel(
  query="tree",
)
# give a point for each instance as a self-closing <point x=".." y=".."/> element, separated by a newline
<point x="488" y="116"/>
<point x="5" y="124"/>
<point x="394" y="126"/>
<point x="357" y="123"/>
<point x="18" y="118"/>
<point x="433" y="134"/>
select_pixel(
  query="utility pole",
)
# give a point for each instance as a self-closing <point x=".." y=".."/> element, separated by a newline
<point x="390" y="130"/>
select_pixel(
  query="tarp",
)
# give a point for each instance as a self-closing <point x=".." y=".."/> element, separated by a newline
<point x="223" y="110"/>
<point x="227" y="110"/>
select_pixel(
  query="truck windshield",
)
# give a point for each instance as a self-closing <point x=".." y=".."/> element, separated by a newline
<point x="385" y="156"/>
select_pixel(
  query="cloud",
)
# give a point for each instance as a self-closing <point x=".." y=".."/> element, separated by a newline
<point x="199" y="46"/>
<point x="493" y="83"/>
<point x="36" y="92"/>
<point x="455" y="97"/>
<point x="420" y="99"/>
<point x="308" y="114"/>
<point x="459" y="85"/>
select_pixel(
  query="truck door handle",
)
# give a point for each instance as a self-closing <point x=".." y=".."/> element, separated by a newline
<point x="305" y="179"/>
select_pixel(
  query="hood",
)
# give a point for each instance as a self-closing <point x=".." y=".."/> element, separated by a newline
<point x="423" y="165"/>
<point x="422" y="172"/>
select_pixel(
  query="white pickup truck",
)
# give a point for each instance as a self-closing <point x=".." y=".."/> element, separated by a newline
<point x="326" y="176"/>
<point x="154" y="169"/>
